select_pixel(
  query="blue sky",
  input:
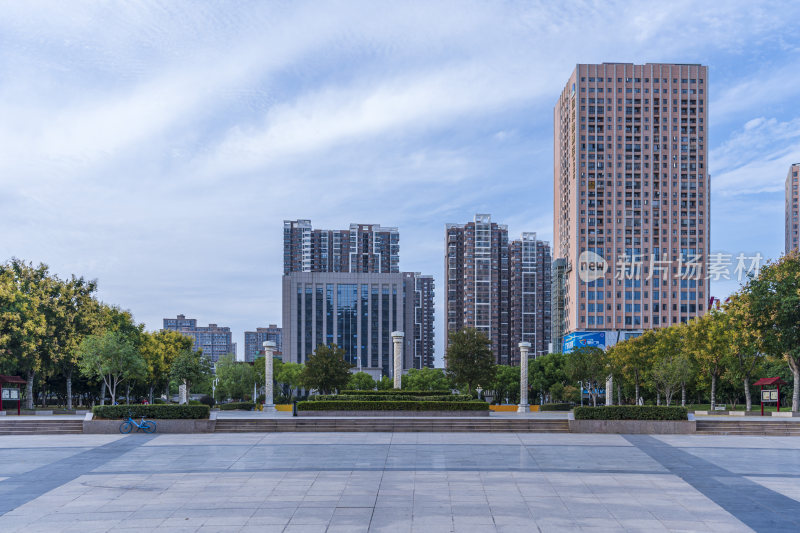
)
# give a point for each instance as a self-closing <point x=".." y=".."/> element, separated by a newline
<point x="158" y="146"/>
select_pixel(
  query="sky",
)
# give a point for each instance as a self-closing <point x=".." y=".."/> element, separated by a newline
<point x="158" y="146"/>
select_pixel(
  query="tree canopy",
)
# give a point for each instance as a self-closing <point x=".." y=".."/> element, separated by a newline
<point x="470" y="361"/>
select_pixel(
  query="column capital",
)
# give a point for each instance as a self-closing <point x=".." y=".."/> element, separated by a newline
<point x="269" y="344"/>
<point x="398" y="334"/>
<point x="524" y="345"/>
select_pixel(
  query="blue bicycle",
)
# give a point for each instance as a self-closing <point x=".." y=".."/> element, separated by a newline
<point x="148" y="426"/>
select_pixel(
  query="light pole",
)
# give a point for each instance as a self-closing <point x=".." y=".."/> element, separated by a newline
<point x="479" y="390"/>
<point x="214" y="389"/>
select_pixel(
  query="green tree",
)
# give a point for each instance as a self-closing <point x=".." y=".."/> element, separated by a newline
<point x="111" y="357"/>
<point x="326" y="369"/>
<point x="707" y="337"/>
<point x="361" y="381"/>
<point x="506" y="383"/>
<point x="743" y="339"/>
<point x="470" y="361"/>
<point x="632" y="358"/>
<point x="160" y="349"/>
<point x="774" y="313"/>
<point x="425" y="379"/>
<point x="290" y="376"/>
<point x="546" y="375"/>
<point x="23" y="323"/>
<point x="236" y="379"/>
<point x="191" y="368"/>
<point x="385" y="383"/>
<point x="587" y="364"/>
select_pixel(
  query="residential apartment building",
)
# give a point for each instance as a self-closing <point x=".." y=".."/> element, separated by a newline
<point x="476" y="263"/>
<point x="424" y="329"/>
<point x="792" y="242"/>
<point x="215" y="341"/>
<point x="530" y="267"/>
<point x="356" y="311"/>
<point x="631" y="204"/>
<point x="361" y="248"/>
<point x="254" y="341"/>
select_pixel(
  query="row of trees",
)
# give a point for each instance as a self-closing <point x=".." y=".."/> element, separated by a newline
<point x="58" y="335"/>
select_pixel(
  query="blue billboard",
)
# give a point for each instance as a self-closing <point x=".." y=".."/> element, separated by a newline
<point x="584" y="338"/>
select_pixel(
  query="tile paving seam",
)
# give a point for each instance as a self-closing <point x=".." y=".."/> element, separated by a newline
<point x="321" y="469"/>
<point x="21" y="488"/>
<point x="749" y="502"/>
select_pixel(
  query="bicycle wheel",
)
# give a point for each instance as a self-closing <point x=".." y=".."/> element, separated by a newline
<point x="125" y="427"/>
<point x="149" y="426"/>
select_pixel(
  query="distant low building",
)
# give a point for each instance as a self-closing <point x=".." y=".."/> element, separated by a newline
<point x="215" y="341"/>
<point x="254" y="341"/>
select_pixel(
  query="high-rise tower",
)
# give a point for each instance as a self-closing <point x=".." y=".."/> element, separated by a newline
<point x="631" y="198"/>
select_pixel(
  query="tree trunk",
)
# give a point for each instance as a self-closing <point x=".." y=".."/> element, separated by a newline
<point x="112" y="391"/>
<point x="29" y="390"/>
<point x="103" y="393"/>
<point x="637" y="391"/>
<point x="658" y="397"/>
<point x="151" y="394"/>
<point x="747" y="399"/>
<point x="794" y="365"/>
<point x="128" y="394"/>
<point x="619" y="393"/>
<point x="69" y="389"/>
<point x="713" y="391"/>
<point x="683" y="394"/>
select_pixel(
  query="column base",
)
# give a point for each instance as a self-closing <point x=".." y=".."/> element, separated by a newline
<point x="269" y="408"/>
<point x="523" y="408"/>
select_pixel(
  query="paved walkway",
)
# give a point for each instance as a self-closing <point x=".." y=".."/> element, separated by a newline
<point x="403" y="482"/>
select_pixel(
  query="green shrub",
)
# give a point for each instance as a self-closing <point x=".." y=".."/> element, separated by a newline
<point x="195" y="402"/>
<point x="208" y="400"/>
<point x="396" y="391"/>
<point x="555" y="407"/>
<point x="355" y="405"/>
<point x="631" y="412"/>
<point x="245" y="406"/>
<point x="162" y="411"/>
<point x="393" y="398"/>
<point x="159" y="401"/>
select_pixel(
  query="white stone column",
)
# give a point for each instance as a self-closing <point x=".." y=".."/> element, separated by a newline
<point x="269" y="353"/>
<point x="397" y="340"/>
<point x="610" y="389"/>
<point x="183" y="397"/>
<point x="524" y="347"/>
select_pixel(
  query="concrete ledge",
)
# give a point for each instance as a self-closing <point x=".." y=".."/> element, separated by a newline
<point x="390" y="414"/>
<point x="786" y="414"/>
<point x="162" y="426"/>
<point x="2" y="413"/>
<point x="36" y="413"/>
<point x="632" y="427"/>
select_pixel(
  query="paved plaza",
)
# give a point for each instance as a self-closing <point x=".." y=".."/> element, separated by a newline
<point x="401" y="482"/>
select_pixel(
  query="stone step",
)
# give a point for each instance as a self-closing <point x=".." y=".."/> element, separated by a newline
<point x="40" y="427"/>
<point x="742" y="427"/>
<point x="390" y="425"/>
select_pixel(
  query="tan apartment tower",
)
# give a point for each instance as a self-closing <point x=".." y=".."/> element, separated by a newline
<point x="631" y="203"/>
<point x="791" y="208"/>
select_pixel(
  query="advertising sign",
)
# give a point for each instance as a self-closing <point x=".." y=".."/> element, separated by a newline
<point x="584" y="338"/>
<point x="769" y="395"/>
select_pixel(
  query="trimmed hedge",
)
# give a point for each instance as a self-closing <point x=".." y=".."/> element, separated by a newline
<point x="345" y="405"/>
<point x="555" y="407"/>
<point x="392" y="392"/>
<point x="246" y="406"/>
<point x="161" y="411"/>
<point x="392" y="398"/>
<point x="631" y="412"/>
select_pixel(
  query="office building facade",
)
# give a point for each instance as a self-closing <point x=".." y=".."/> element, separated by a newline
<point x="356" y="311"/>
<point x="367" y="248"/>
<point x="215" y="341"/>
<point x="792" y="242"/>
<point x="254" y="341"/>
<point x="631" y="205"/>
<point x="529" y="295"/>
